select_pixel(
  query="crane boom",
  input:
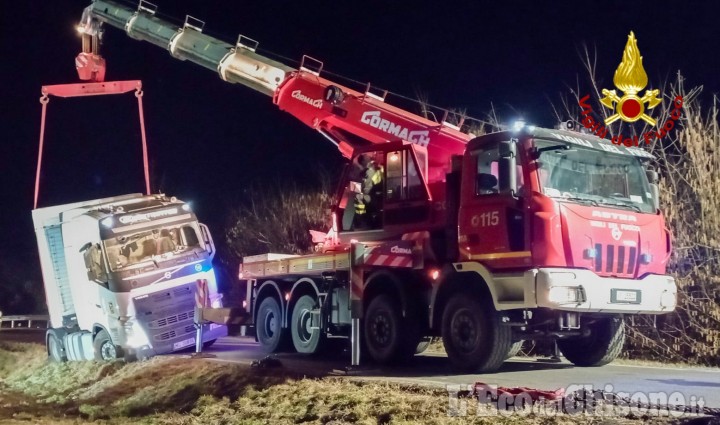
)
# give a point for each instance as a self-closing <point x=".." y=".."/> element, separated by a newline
<point x="347" y="117"/>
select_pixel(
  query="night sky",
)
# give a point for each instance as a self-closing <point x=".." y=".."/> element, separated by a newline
<point x="209" y="140"/>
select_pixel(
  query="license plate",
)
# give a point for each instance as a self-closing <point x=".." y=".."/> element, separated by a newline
<point x="631" y="296"/>
<point x="184" y="343"/>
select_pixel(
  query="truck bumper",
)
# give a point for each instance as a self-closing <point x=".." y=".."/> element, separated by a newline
<point x="210" y="332"/>
<point x="583" y="291"/>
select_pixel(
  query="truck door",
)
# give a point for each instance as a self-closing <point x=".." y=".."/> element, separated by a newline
<point x="407" y="200"/>
<point x="491" y="223"/>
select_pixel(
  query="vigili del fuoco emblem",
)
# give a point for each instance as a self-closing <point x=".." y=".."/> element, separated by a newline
<point x="630" y="78"/>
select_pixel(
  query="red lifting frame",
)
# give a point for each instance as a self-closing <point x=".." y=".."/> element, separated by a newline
<point x="91" y="89"/>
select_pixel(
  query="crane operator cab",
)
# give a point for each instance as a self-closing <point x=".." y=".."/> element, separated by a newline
<point x="384" y="189"/>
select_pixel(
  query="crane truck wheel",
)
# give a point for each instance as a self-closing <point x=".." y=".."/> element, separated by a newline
<point x="268" y="326"/>
<point x="56" y="351"/>
<point x="388" y="337"/>
<point x="600" y="347"/>
<point x="473" y="336"/>
<point x="306" y="333"/>
<point x="105" y="349"/>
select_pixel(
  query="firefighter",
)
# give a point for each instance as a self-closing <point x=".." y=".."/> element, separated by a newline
<point x="368" y="203"/>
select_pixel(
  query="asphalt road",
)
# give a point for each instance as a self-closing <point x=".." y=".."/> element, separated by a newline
<point x="434" y="369"/>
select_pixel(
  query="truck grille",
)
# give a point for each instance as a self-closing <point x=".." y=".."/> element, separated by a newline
<point x="171" y="320"/>
<point x="615" y="259"/>
<point x="174" y="333"/>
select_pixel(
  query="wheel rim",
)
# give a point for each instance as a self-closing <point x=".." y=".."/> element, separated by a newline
<point x="381" y="329"/>
<point x="270" y="324"/>
<point x="464" y="331"/>
<point x="108" y="351"/>
<point x="303" y="327"/>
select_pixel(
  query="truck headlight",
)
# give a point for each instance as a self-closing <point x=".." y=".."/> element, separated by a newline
<point x="566" y="294"/>
<point x="135" y="335"/>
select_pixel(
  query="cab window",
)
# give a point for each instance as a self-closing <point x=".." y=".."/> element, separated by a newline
<point x="488" y="175"/>
<point x="95" y="264"/>
<point x="404" y="182"/>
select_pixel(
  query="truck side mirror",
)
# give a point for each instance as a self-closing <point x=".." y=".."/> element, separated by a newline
<point x="209" y="245"/>
<point x="653" y="177"/>
<point x="507" y="151"/>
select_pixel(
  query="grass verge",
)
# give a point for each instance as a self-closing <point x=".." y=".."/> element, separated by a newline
<point x="175" y="391"/>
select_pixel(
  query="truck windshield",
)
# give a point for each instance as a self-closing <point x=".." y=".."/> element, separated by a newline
<point x="155" y="244"/>
<point x="589" y="176"/>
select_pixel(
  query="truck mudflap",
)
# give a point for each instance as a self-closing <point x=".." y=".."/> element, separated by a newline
<point x="583" y="291"/>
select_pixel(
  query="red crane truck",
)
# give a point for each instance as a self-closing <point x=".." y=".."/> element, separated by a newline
<point x="484" y="241"/>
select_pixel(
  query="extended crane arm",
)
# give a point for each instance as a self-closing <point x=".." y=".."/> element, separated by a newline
<point x="235" y="64"/>
<point x="346" y="117"/>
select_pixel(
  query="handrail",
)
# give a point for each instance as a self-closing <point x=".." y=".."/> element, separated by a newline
<point x="24" y="322"/>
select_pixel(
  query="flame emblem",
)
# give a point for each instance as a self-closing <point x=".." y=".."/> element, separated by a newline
<point x="630" y="78"/>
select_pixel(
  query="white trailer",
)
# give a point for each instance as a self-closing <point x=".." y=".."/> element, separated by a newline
<point x="121" y="274"/>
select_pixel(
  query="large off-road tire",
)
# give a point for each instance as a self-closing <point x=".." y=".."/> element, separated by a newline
<point x="105" y="348"/>
<point x="268" y="326"/>
<point x="603" y="345"/>
<point x="388" y="336"/>
<point x="305" y="339"/>
<point x="514" y="349"/>
<point x="474" y="339"/>
<point x="55" y="348"/>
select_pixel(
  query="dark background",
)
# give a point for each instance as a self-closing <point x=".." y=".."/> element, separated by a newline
<point x="209" y="140"/>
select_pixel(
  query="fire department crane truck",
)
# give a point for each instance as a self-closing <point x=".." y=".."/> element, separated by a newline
<point x="517" y="235"/>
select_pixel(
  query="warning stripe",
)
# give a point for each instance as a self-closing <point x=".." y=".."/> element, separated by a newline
<point x="201" y="293"/>
<point x="356" y="284"/>
<point x="397" y="262"/>
<point x="388" y="260"/>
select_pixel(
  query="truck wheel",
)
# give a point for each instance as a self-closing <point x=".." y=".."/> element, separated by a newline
<point x="305" y="339"/>
<point x="473" y="336"/>
<point x="56" y="351"/>
<point x="105" y="349"/>
<point x="387" y="336"/>
<point x="515" y="349"/>
<point x="268" y="326"/>
<point x="603" y="345"/>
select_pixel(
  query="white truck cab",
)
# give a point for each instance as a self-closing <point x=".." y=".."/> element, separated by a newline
<point x="121" y="274"/>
